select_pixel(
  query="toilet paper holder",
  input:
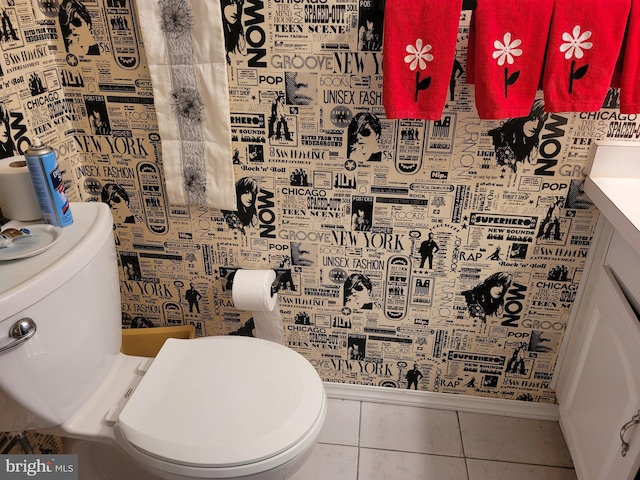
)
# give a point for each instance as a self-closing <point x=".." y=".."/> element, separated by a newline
<point x="275" y="285"/>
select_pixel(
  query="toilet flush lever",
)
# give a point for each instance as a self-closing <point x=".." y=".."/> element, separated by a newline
<point x="20" y="332"/>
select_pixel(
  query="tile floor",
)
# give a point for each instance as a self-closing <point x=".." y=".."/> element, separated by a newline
<point x="376" y="441"/>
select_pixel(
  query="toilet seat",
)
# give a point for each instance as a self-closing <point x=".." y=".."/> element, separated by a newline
<point x="222" y="406"/>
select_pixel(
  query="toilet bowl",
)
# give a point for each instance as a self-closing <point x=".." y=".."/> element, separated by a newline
<point x="212" y="407"/>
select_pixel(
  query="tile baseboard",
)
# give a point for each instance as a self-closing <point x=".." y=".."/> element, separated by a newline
<point x="444" y="401"/>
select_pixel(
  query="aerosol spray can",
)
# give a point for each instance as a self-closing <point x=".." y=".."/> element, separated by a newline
<point x="42" y="162"/>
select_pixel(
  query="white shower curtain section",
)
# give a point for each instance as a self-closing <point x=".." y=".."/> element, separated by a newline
<point x="184" y="43"/>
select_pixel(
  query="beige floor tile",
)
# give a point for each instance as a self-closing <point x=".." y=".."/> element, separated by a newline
<point x="410" y="429"/>
<point x="342" y="425"/>
<point x="330" y="462"/>
<point x="390" y="465"/>
<point x="518" y="440"/>
<point x="491" y="470"/>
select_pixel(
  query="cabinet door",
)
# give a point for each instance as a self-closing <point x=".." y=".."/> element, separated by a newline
<point x="605" y="391"/>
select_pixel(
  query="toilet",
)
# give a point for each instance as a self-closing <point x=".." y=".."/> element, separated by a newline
<point x="205" y="408"/>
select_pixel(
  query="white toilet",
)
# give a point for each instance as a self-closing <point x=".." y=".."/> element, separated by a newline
<point x="213" y="407"/>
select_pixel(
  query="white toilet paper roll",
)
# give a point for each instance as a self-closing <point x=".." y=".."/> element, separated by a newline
<point x="252" y="291"/>
<point x="18" y="199"/>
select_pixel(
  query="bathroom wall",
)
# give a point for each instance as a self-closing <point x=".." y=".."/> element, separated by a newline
<point x="39" y="443"/>
<point x="347" y="227"/>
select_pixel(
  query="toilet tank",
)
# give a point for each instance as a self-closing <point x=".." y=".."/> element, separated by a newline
<point x="71" y="292"/>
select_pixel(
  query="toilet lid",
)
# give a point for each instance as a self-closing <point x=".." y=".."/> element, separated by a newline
<point x="222" y="401"/>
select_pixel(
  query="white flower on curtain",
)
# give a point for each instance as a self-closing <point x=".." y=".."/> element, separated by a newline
<point x="176" y="16"/>
<point x="195" y="181"/>
<point x="418" y="57"/>
<point x="575" y="45"/>
<point x="505" y="51"/>
<point x="188" y="104"/>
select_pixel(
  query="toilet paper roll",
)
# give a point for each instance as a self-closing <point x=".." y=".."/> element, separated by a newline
<point x="18" y="199"/>
<point x="252" y="291"/>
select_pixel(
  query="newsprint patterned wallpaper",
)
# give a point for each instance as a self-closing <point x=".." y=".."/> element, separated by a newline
<point x="440" y="256"/>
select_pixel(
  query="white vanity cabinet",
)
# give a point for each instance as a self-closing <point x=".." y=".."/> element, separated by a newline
<point x="599" y="390"/>
<point x="598" y="384"/>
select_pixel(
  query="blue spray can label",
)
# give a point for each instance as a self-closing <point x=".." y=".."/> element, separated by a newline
<point x="42" y="162"/>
